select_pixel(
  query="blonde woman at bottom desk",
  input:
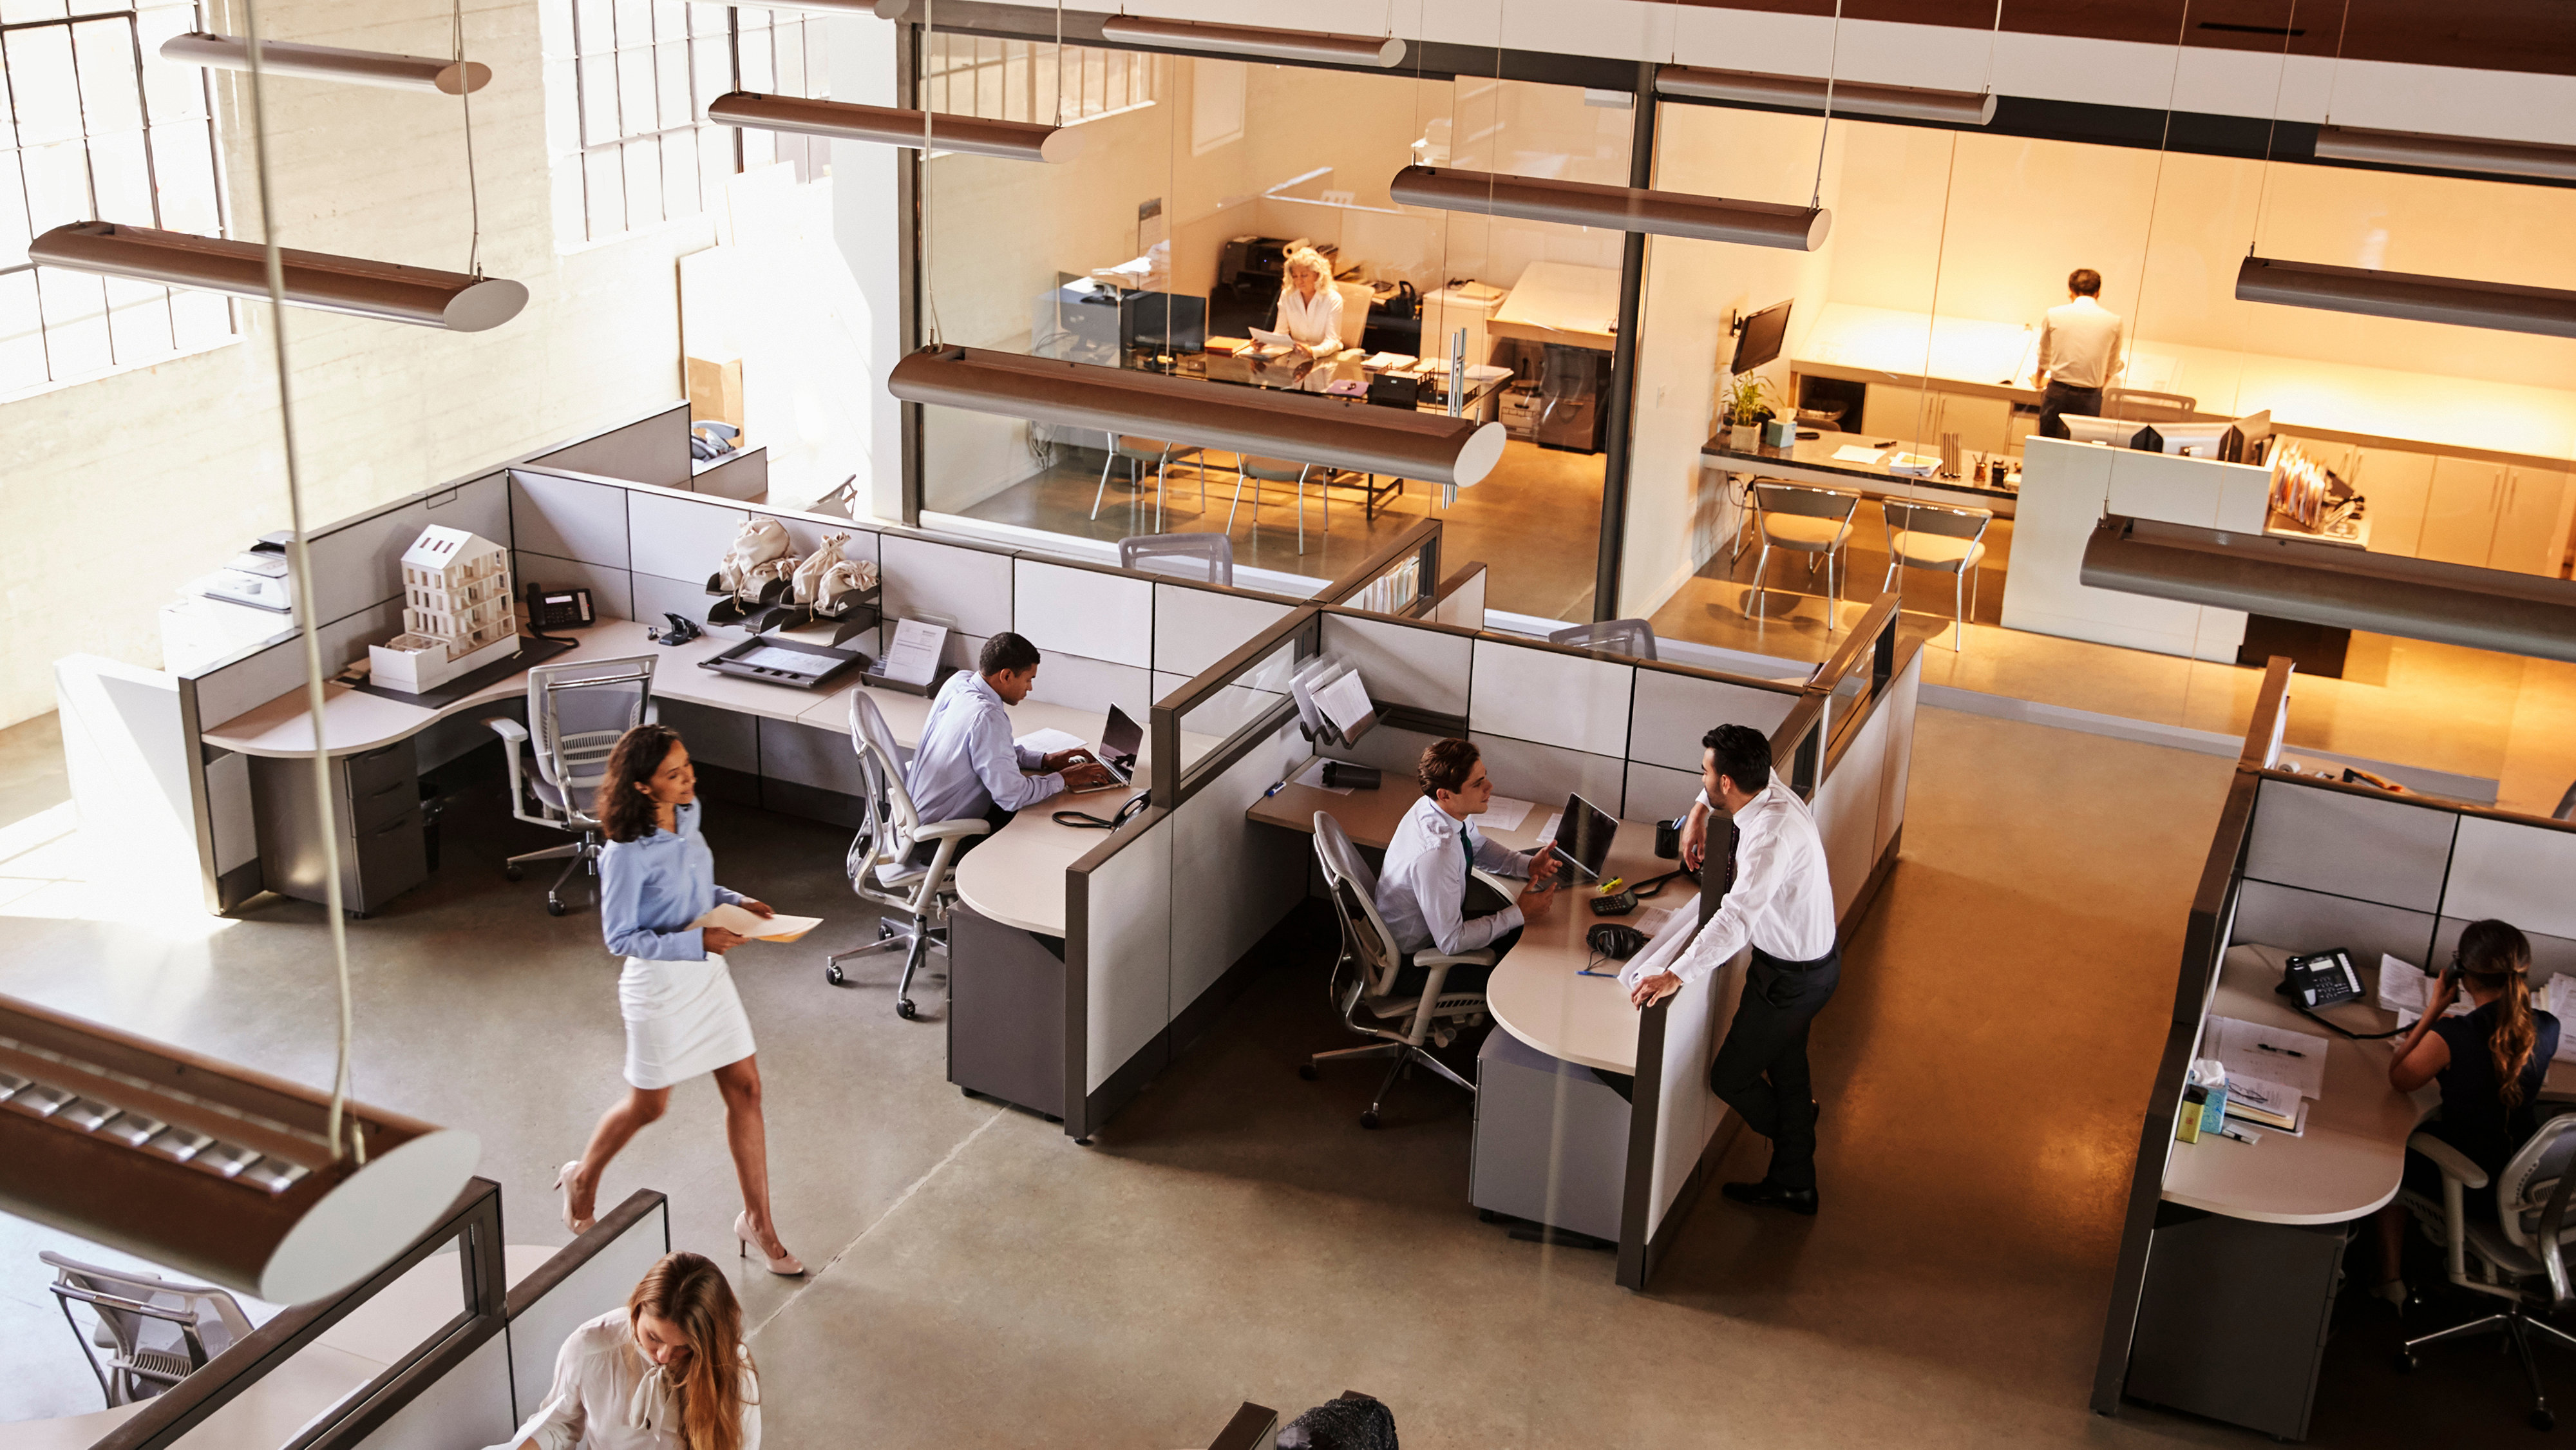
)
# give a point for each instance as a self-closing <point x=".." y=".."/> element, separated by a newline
<point x="667" y="1372"/>
<point x="682" y="1014"/>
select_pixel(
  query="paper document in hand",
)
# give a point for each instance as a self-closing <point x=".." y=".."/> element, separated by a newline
<point x="1503" y="813"/>
<point x="914" y="656"/>
<point x="781" y="927"/>
<point x="1345" y="701"/>
<point x="2295" y="1060"/>
<point x="2404" y="991"/>
<point x="1048" y="742"/>
<point x="1314" y="776"/>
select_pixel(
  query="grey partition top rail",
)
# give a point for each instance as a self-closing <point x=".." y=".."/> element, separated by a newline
<point x="611" y="1226"/>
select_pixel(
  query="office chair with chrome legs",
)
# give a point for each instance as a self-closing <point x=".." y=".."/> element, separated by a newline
<point x="1363" y="978"/>
<point x="576" y="714"/>
<point x="879" y="862"/>
<point x="2502" y="1257"/>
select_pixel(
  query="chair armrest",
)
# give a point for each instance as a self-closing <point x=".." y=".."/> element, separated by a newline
<point x="1459" y="959"/>
<point x="2553" y="1254"/>
<point x="2449" y="1159"/>
<point x="949" y="830"/>
<point x="508" y="729"/>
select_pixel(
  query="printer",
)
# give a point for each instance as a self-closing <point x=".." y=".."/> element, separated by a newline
<point x="257" y="577"/>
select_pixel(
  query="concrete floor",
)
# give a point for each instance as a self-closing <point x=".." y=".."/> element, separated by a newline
<point x="980" y="1281"/>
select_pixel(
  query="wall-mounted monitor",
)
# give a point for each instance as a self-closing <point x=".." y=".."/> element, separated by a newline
<point x="1761" y="337"/>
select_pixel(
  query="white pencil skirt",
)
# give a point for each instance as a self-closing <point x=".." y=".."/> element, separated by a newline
<point x="682" y="1019"/>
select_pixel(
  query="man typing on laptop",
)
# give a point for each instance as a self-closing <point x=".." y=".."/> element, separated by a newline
<point x="966" y="764"/>
<point x="1422" y="890"/>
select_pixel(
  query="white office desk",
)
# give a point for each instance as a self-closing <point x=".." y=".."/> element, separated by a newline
<point x="1017" y="877"/>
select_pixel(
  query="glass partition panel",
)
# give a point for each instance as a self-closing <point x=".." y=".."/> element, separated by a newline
<point x="1254" y="696"/>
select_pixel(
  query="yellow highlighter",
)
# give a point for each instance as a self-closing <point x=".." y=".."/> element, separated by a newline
<point x="1613" y="884"/>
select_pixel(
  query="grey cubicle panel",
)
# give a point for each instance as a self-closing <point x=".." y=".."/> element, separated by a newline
<point x="585" y="1279"/>
<point x="740" y="476"/>
<point x="468" y="1405"/>
<point x="653" y="449"/>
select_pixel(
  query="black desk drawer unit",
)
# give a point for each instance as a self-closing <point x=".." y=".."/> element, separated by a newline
<point x="376" y="824"/>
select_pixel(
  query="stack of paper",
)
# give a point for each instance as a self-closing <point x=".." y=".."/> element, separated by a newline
<point x="2271" y="1071"/>
<point x="2559" y="997"/>
<point x="1502" y="813"/>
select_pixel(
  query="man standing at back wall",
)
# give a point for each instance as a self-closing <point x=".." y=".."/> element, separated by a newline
<point x="2079" y="353"/>
<point x="1782" y="905"/>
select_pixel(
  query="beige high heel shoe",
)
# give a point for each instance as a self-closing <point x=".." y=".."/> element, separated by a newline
<point x="563" y="1185"/>
<point x="785" y="1267"/>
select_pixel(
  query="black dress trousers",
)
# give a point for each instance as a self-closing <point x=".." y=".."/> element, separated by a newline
<point x="1761" y="1068"/>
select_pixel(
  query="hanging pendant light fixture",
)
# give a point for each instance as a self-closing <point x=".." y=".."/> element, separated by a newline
<point x="210" y="1169"/>
<point x="1797" y="93"/>
<point x="2447" y="153"/>
<point x="1300" y="45"/>
<point x="387" y="291"/>
<point x="1619" y="208"/>
<point x="888" y="126"/>
<point x="330" y="63"/>
<point x="1300" y="427"/>
<point x="2503" y="306"/>
<point x="881" y="9"/>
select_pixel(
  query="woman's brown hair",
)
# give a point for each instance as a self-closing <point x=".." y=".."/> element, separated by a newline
<point x="626" y="813"/>
<point x="2494" y="954"/>
<point x="689" y="1292"/>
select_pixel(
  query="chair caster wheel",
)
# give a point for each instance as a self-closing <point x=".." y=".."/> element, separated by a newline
<point x="556" y="908"/>
<point x="513" y="873"/>
<point x="2543" y="1420"/>
<point x="832" y="974"/>
<point x="885" y="929"/>
<point x="2406" y="1362"/>
<point x="906" y="1011"/>
<point x="1369" y="1119"/>
<point x="1307" y="1071"/>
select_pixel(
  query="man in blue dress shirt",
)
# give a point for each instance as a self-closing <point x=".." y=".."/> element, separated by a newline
<point x="967" y="764"/>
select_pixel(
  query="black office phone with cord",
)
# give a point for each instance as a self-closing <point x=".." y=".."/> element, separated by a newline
<point x="2321" y="979"/>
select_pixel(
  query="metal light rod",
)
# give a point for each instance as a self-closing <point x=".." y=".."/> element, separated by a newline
<point x="1799" y="93"/>
<point x="881" y="9"/>
<point x="2343" y="588"/>
<point x="330" y="63"/>
<point x="1373" y="50"/>
<point x="386" y="291"/>
<point x="2447" y="153"/>
<point x="1301" y="427"/>
<point x="846" y="121"/>
<point x="1621" y="208"/>
<point x="214" y="1170"/>
<point x="2502" y="306"/>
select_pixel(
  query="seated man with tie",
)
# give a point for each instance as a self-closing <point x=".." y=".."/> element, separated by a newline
<point x="1422" y="890"/>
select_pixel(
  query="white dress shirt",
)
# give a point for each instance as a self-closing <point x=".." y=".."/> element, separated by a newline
<point x="966" y="763"/>
<point x="2079" y="344"/>
<point x="1313" y="323"/>
<point x="608" y="1396"/>
<point x="1425" y="879"/>
<point x="1781" y="901"/>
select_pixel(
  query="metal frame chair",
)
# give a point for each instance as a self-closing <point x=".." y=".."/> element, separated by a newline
<point x="1279" y="470"/>
<point x="570" y="763"/>
<point x="879" y="862"/>
<point x="156" y="1330"/>
<point x="1777" y="498"/>
<point x="1634" y="638"/>
<point x="1928" y="521"/>
<point x="2139" y="405"/>
<point x="1214" y="551"/>
<point x="1364" y="973"/>
<point x="2522" y="1244"/>
<point x="1137" y="452"/>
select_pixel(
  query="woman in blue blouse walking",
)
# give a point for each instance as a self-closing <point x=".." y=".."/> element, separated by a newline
<point x="683" y="1018"/>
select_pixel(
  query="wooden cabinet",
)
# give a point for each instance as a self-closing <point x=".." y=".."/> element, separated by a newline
<point x="1920" y="415"/>
<point x="2460" y="511"/>
<point x="2531" y="522"/>
<point x="2397" y="483"/>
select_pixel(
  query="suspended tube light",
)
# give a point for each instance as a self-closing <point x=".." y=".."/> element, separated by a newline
<point x="1372" y="50"/>
<point x="1621" y="208"/>
<point x="214" y="1170"/>
<point x="330" y="63"/>
<point x="2342" y="588"/>
<point x="845" y="121"/>
<point x="2502" y="306"/>
<point x="1301" y="427"/>
<point x="881" y="9"/>
<point x="2447" y="153"/>
<point x="1798" y="93"/>
<point x="386" y="291"/>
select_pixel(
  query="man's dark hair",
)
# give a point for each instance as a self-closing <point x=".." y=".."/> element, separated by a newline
<point x="1006" y="651"/>
<point x="1446" y="764"/>
<point x="2084" y="282"/>
<point x="1743" y="756"/>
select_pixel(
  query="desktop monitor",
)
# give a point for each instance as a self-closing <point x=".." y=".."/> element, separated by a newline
<point x="1761" y="337"/>
<point x="2117" y="432"/>
<point x="1163" y="322"/>
<point x="2194" y="440"/>
<point x="1583" y="836"/>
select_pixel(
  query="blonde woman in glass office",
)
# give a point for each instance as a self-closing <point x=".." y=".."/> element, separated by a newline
<point x="1310" y="306"/>
<point x="654" y="1375"/>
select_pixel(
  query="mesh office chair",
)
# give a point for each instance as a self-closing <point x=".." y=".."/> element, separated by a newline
<point x="1363" y="978"/>
<point x="1816" y="522"/>
<point x="1634" y="638"/>
<point x="576" y="713"/>
<point x="1944" y="538"/>
<point x="2137" y="405"/>
<point x="1277" y="470"/>
<point x="2499" y="1258"/>
<point x="1139" y="452"/>
<point x="1210" y="556"/>
<point x="879" y="861"/>
<point x="155" y="1330"/>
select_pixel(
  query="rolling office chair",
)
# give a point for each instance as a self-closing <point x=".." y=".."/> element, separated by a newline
<point x="1212" y="555"/>
<point x="1944" y="538"/>
<point x="576" y="713"/>
<point x="1138" y="452"/>
<point x="878" y="862"/>
<point x="2496" y="1259"/>
<point x="1810" y="520"/>
<point x="1277" y="470"/>
<point x="1363" y="978"/>
<point x="2137" y="405"/>
<point x="1634" y="638"/>
<point x="155" y="1330"/>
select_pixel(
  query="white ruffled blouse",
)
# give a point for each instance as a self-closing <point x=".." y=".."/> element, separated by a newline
<point x="608" y="1396"/>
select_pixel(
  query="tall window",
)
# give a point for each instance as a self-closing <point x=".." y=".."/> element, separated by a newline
<point x="100" y="128"/>
<point x="1017" y="80"/>
<point x="627" y="87"/>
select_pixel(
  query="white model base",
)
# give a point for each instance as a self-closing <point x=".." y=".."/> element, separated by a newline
<point x="414" y="663"/>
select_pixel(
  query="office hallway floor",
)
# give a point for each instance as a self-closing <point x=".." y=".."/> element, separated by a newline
<point x="981" y="1281"/>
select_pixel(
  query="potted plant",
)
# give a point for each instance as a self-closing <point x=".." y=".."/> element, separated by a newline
<point x="1748" y="403"/>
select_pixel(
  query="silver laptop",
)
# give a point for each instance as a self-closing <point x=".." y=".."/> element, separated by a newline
<point x="1120" y="742"/>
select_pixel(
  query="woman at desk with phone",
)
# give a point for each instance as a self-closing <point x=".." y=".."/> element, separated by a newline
<point x="1310" y="306"/>
<point x="2490" y="1064"/>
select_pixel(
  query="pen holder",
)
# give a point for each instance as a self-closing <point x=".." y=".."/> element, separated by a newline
<point x="1668" y="840"/>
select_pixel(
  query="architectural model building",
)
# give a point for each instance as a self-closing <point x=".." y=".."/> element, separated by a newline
<point x="457" y="612"/>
